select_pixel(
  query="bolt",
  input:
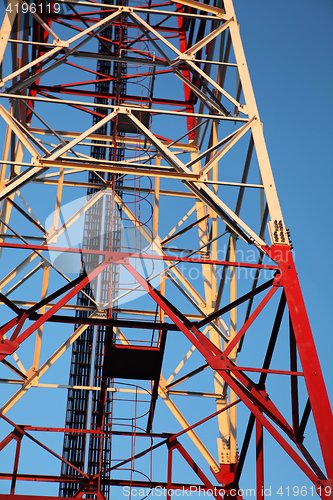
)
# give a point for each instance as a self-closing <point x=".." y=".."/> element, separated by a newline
<point x="289" y="267"/>
<point x="315" y="373"/>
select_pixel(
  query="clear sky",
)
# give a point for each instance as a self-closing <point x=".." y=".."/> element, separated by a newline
<point x="288" y="46"/>
<point x="291" y="67"/>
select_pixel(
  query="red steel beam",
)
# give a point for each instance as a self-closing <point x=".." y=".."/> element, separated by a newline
<point x="209" y="351"/>
<point x="307" y="351"/>
<point x="196" y="469"/>
<point x="259" y="460"/>
<point x="59" y="304"/>
<point x="249" y="322"/>
<point x="38" y="89"/>
<point x="20" y="432"/>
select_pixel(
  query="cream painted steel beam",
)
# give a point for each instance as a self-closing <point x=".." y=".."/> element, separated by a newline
<point x="210" y="287"/>
<point x="80" y="387"/>
<point x="149" y="29"/>
<point x="201" y="6"/>
<point x="111" y="389"/>
<point x="52" y="237"/>
<point x="122" y="169"/>
<point x="48" y="56"/>
<point x="194" y="68"/>
<point x="6" y="206"/>
<point x="223" y="441"/>
<point x="178" y="165"/>
<point x="89" y="388"/>
<point x="6" y="28"/>
<point x="20" y="180"/>
<point x="179" y="224"/>
<point x="196" y="394"/>
<point x="51" y="131"/>
<point x="217" y="13"/>
<point x="207" y="39"/>
<point x="27" y="42"/>
<point x="46" y="275"/>
<point x="33" y="376"/>
<point x="219" y="155"/>
<point x="163" y="192"/>
<point x="25" y="278"/>
<point x="17" y="360"/>
<point x="156" y="203"/>
<point x="109" y="139"/>
<point x="163" y="393"/>
<point x="115" y="389"/>
<point x="146" y="28"/>
<point x="184" y="423"/>
<point x="211" y="148"/>
<point x="98" y="26"/>
<point x="28" y="208"/>
<point x="222" y="333"/>
<point x="14" y="272"/>
<point x="217" y="116"/>
<point x="159" y="251"/>
<point x="233" y="355"/>
<point x="39" y="333"/>
<point x="73" y="307"/>
<point x="40" y="21"/>
<point x="236" y="184"/>
<point x="18" y="131"/>
<point x="257" y="131"/>
<point x="82" y="136"/>
<point x="123" y="59"/>
<point x="20" y="128"/>
<point x="46" y="261"/>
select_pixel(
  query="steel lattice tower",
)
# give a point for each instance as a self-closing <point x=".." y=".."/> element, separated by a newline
<point x="144" y="255"/>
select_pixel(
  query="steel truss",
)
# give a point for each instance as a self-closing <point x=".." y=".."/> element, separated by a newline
<point x="162" y="256"/>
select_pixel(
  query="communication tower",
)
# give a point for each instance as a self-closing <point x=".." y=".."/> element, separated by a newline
<point x="153" y="330"/>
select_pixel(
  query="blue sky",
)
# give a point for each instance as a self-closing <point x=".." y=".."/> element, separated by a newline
<point x="291" y="67"/>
